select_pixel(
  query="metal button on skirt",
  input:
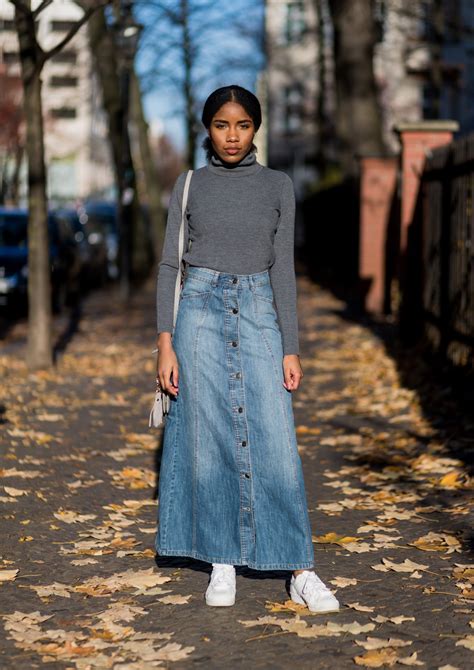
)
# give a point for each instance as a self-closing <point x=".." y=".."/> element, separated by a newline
<point x="231" y="486"/>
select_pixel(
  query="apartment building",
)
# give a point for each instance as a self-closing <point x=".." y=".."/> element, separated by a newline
<point x="300" y="70"/>
<point x="76" y="145"/>
<point x="292" y="88"/>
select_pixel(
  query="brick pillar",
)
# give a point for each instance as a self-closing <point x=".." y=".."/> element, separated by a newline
<point x="378" y="177"/>
<point x="416" y="140"/>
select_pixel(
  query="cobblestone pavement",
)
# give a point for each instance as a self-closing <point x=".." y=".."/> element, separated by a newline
<point x="386" y="461"/>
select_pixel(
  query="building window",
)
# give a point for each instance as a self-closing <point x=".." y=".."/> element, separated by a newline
<point x="58" y="81"/>
<point x="64" y="113"/>
<point x="453" y="21"/>
<point x="11" y="57"/>
<point x="62" y="26"/>
<point x="7" y="24"/>
<point x="294" y="96"/>
<point x="68" y="56"/>
<point x="295" y="25"/>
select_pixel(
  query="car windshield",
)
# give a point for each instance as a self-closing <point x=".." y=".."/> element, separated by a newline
<point x="13" y="230"/>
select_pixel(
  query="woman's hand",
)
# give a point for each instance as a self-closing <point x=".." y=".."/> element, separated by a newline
<point x="167" y="366"/>
<point x="292" y="371"/>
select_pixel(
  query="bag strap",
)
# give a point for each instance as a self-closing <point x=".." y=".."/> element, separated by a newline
<point x="179" y="275"/>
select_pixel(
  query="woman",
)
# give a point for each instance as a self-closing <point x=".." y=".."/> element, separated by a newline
<point x="231" y="488"/>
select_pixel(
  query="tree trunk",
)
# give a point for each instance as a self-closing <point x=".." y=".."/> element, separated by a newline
<point x="15" y="180"/>
<point x="358" y="117"/>
<point x="152" y="183"/>
<point x="106" y="62"/>
<point x="191" y="139"/>
<point x="39" y="354"/>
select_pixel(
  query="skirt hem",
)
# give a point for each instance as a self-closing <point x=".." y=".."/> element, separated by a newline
<point x="255" y="566"/>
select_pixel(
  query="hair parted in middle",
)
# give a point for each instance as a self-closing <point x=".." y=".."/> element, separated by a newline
<point x="219" y="97"/>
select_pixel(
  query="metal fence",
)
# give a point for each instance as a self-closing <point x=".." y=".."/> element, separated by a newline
<point x="448" y="250"/>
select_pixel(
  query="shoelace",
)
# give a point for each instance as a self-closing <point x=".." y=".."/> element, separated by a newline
<point x="222" y="575"/>
<point x="313" y="578"/>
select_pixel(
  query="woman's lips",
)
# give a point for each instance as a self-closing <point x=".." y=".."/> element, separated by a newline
<point x="232" y="151"/>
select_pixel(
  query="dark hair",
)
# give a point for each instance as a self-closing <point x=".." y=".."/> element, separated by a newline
<point x="219" y="97"/>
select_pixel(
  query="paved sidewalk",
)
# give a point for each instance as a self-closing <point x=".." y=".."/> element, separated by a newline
<point x="386" y="469"/>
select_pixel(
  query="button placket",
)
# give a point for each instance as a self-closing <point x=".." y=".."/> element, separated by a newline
<point x="232" y="325"/>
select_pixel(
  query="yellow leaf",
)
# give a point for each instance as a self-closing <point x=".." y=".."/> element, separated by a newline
<point x="450" y="481"/>
<point x="287" y="606"/>
<point x="333" y="538"/>
<point x="376" y="658"/>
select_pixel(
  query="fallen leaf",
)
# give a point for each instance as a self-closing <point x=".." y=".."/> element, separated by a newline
<point x="406" y="566"/>
<point x="175" y="600"/>
<point x="376" y="658"/>
<point x="55" y="589"/>
<point x="333" y="538"/>
<point x="342" y="582"/>
<point x="467" y="642"/>
<point x="394" y="619"/>
<point x="360" y="608"/>
<point x="8" y="575"/>
<point x="379" y="643"/>
<point x="15" y="492"/>
<point x="69" y="516"/>
<point x="437" y="542"/>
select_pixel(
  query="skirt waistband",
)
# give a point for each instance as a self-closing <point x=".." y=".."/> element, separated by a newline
<point x="216" y="277"/>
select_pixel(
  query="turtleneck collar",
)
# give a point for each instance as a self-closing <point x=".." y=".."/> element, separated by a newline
<point x="246" y="166"/>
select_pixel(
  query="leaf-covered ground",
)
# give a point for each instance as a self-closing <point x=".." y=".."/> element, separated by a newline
<point x="386" y="460"/>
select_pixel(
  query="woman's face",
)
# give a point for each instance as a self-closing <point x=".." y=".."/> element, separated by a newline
<point x="231" y="131"/>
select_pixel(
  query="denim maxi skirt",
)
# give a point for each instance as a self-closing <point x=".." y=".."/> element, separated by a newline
<point x="231" y="486"/>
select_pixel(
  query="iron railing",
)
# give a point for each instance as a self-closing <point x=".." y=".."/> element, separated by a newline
<point x="448" y="250"/>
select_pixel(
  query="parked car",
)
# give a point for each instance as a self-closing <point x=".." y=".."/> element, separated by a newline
<point x="64" y="259"/>
<point x="92" y="251"/>
<point x="100" y="220"/>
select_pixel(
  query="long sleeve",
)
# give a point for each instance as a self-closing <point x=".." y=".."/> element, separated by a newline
<point x="282" y="272"/>
<point x="168" y="266"/>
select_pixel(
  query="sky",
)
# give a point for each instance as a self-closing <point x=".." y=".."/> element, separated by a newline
<point x="226" y="53"/>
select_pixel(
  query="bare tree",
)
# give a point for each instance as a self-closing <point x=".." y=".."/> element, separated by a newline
<point x="106" y="61"/>
<point x="358" y="115"/>
<point x="32" y="59"/>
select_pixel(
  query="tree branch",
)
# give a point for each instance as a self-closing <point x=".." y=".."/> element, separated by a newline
<point x="87" y="14"/>
<point x="40" y="8"/>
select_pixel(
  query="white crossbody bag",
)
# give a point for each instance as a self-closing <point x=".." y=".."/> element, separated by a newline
<point x="161" y="403"/>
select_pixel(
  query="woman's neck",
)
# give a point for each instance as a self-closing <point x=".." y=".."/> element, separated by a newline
<point x="246" y="166"/>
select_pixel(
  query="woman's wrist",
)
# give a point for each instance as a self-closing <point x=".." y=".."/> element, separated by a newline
<point x="163" y="340"/>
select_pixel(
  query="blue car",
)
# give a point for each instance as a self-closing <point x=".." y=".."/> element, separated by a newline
<point x="64" y="258"/>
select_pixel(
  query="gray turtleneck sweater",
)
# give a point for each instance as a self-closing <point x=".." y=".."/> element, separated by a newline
<point x="240" y="219"/>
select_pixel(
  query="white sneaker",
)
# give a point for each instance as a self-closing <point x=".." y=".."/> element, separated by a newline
<point x="308" y="589"/>
<point x="221" y="589"/>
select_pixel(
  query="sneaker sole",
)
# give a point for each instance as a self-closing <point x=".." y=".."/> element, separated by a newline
<point x="220" y="601"/>
<point x="296" y="598"/>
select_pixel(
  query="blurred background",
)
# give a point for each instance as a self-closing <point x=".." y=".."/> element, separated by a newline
<point x="367" y="105"/>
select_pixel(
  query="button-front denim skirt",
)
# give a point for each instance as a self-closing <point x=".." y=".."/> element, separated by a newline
<point x="231" y="486"/>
